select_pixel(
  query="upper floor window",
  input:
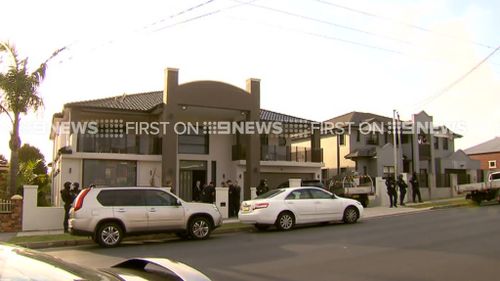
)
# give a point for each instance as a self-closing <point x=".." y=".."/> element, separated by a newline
<point x="372" y="139"/>
<point x="193" y="143"/>
<point x="436" y="143"/>
<point x="492" y="164"/>
<point x="445" y="143"/>
<point x="126" y="144"/>
<point x="341" y="139"/>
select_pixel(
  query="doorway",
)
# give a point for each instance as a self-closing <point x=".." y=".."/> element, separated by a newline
<point x="190" y="172"/>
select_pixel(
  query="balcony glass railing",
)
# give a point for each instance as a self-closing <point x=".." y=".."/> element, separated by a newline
<point x="281" y="153"/>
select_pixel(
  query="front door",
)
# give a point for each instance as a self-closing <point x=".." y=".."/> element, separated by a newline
<point x="327" y="207"/>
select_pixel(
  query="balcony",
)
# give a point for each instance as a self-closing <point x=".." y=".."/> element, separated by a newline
<point x="280" y="153"/>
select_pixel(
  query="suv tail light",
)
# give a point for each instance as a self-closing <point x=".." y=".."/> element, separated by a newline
<point x="79" y="199"/>
<point x="261" y="206"/>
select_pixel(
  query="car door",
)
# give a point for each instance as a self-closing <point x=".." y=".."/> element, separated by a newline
<point x="163" y="210"/>
<point x="327" y="206"/>
<point x="302" y="204"/>
<point x="129" y="206"/>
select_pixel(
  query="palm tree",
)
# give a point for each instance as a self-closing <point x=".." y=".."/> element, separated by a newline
<point x="19" y="94"/>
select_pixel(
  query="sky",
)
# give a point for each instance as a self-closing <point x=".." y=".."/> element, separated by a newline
<point x="316" y="59"/>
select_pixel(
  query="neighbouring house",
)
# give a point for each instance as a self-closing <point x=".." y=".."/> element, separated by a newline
<point x="366" y="146"/>
<point x="487" y="153"/>
<point x="150" y="139"/>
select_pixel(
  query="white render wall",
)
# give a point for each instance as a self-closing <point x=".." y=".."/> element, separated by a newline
<point x="149" y="173"/>
<point x="39" y="218"/>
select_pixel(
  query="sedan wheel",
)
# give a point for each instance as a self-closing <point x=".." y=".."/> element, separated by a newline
<point x="350" y="215"/>
<point x="285" y="221"/>
<point x="109" y="235"/>
<point x="200" y="228"/>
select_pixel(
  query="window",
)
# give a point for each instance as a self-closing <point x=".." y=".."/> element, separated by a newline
<point x="492" y="164"/>
<point x="193" y="143"/>
<point x="121" y="197"/>
<point x="299" y="194"/>
<point x="388" y="170"/>
<point x="372" y="139"/>
<point x="341" y="139"/>
<point x="319" y="194"/>
<point x="109" y="172"/>
<point x="159" y="198"/>
<point x="436" y="143"/>
<point x="445" y="143"/>
<point x="127" y="144"/>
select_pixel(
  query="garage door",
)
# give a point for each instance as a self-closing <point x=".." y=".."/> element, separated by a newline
<point x="275" y="179"/>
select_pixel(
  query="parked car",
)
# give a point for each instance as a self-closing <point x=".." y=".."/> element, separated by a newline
<point x="286" y="207"/>
<point x="107" y="214"/>
<point x="23" y="264"/>
<point x="303" y="182"/>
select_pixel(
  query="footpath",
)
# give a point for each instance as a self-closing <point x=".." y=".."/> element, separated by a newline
<point x="48" y="239"/>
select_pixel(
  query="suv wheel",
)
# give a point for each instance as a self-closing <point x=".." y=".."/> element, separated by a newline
<point x="199" y="228"/>
<point x="109" y="234"/>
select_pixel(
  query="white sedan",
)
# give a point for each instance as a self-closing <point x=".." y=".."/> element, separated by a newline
<point x="285" y="207"/>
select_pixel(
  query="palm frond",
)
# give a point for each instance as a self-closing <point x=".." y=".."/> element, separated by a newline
<point x="11" y="49"/>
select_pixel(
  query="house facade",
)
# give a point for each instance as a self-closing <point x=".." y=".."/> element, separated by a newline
<point x="487" y="153"/>
<point x="366" y="146"/>
<point x="198" y="131"/>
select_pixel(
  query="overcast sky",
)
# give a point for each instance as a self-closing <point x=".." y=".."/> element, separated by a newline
<point x="316" y="58"/>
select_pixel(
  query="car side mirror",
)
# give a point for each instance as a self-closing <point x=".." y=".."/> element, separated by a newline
<point x="178" y="202"/>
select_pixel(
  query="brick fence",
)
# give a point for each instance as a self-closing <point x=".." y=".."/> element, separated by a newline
<point x="11" y="217"/>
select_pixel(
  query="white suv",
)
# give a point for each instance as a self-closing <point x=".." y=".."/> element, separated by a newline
<point x="107" y="214"/>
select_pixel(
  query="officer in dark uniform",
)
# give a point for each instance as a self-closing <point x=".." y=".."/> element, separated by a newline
<point x="402" y="189"/>
<point x="391" y="190"/>
<point x="67" y="198"/>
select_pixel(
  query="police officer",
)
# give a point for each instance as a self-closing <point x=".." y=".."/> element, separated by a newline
<point x="67" y="198"/>
<point x="262" y="187"/>
<point x="391" y="191"/>
<point x="402" y="189"/>
<point x="415" y="188"/>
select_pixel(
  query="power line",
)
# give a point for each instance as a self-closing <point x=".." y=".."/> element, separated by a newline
<point x="460" y="79"/>
<point x="206" y="14"/>
<point x="324" y="36"/>
<point x="425" y="29"/>
<point x="325" y="22"/>
<point x="172" y="16"/>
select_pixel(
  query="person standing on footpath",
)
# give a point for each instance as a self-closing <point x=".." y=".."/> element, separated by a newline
<point x="67" y="198"/>
<point x="262" y="188"/>
<point x="402" y="190"/>
<point x="391" y="191"/>
<point x="415" y="188"/>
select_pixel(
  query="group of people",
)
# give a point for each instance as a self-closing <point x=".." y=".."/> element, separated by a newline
<point x="206" y="194"/>
<point x="393" y="184"/>
<point x="68" y="195"/>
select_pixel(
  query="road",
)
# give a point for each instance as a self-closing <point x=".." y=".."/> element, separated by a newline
<point x="452" y="244"/>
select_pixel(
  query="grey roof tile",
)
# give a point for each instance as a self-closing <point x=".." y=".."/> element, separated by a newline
<point x="147" y="101"/>
<point x="490" y="146"/>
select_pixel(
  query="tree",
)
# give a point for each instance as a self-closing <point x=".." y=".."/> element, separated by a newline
<point x="19" y="89"/>
<point x="30" y="153"/>
<point x="33" y="170"/>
